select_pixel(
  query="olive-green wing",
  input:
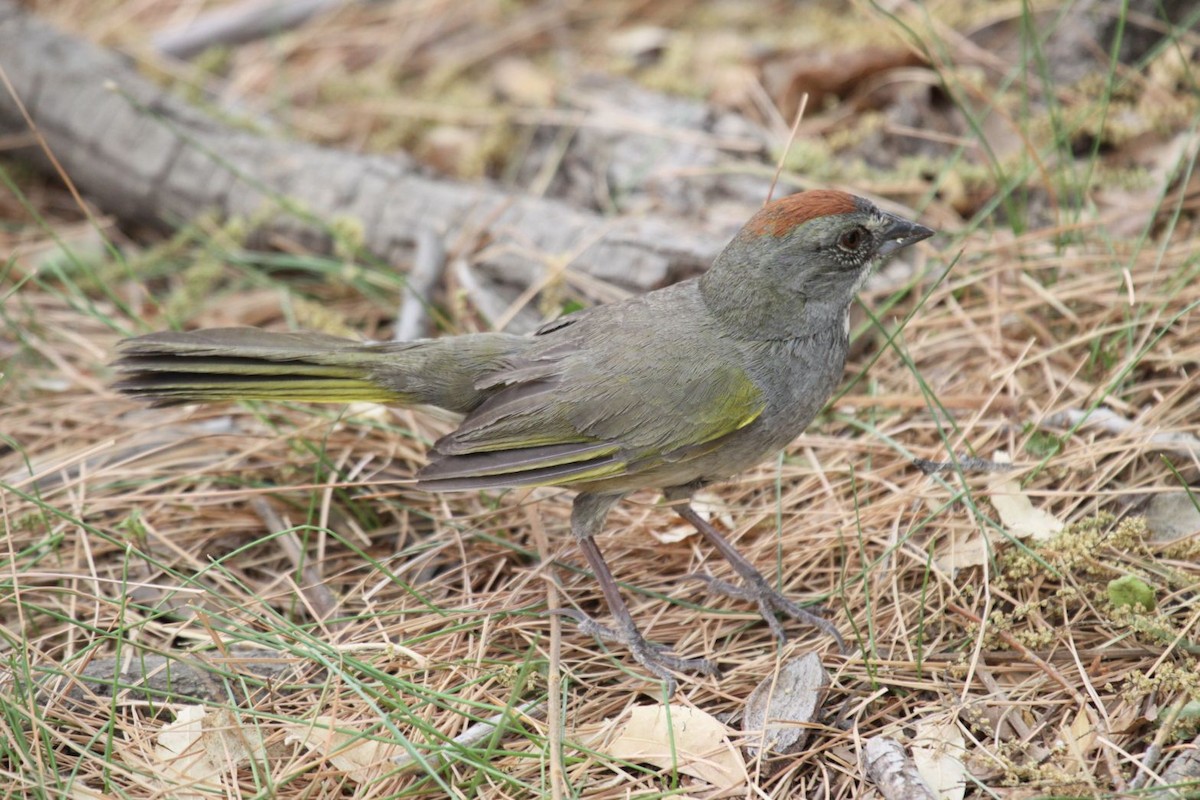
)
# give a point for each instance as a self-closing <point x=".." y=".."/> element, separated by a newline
<point x="583" y="410"/>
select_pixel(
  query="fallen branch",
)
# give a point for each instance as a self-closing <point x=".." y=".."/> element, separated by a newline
<point x="146" y="156"/>
<point x="176" y="677"/>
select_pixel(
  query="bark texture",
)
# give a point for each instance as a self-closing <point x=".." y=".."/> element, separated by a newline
<point x="893" y="772"/>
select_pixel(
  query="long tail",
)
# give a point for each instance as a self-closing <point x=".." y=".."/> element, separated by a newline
<point x="223" y="364"/>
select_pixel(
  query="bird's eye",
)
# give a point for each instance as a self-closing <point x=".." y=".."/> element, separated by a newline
<point x="852" y="239"/>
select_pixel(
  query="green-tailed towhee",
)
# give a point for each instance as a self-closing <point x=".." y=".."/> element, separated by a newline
<point x="673" y="390"/>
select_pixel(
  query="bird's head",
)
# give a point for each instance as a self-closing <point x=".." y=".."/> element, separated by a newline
<point x="812" y="250"/>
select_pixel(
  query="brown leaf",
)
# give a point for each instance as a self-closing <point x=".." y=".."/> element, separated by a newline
<point x="961" y="549"/>
<point x="1016" y="510"/>
<point x="1080" y="739"/>
<point x="1018" y="514"/>
<point x="675" y="736"/>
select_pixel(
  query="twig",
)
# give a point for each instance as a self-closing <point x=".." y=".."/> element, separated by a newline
<point x="1166" y="729"/>
<point x="893" y="772"/>
<point x="1183" y="772"/>
<point x="965" y="463"/>
<point x="1184" y="444"/>
<point x="791" y="138"/>
<point x="312" y="584"/>
<point x="189" y="162"/>
<point x="475" y="734"/>
<point x="175" y="677"/>
<point x="484" y="293"/>
<point x="1030" y="656"/>
<point x="412" y="320"/>
<point x="237" y="24"/>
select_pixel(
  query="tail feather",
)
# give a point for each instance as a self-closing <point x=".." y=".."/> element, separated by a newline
<point x="221" y="364"/>
<point x="166" y="389"/>
<point x="229" y="364"/>
<point x="234" y="366"/>
<point x="250" y="343"/>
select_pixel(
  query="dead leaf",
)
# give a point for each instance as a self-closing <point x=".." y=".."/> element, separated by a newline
<point x="675" y="736"/>
<point x="1080" y="739"/>
<point x="360" y="412"/>
<point x="1016" y="510"/>
<point x="1128" y="212"/>
<point x="961" y="549"/>
<point x="183" y="758"/>
<point x="1125" y="719"/>
<point x="1173" y="515"/>
<point x="1018" y="515"/>
<point x="200" y="746"/>
<point x="85" y="243"/>
<point x="360" y="758"/>
<point x="673" y="534"/>
<point x="780" y="707"/>
<point x="937" y="750"/>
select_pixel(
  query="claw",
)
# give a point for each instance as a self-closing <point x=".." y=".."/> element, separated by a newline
<point x="770" y="603"/>
<point x="654" y="657"/>
<point x="756" y="587"/>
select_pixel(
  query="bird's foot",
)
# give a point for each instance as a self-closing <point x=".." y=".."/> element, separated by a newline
<point x="770" y="603"/>
<point x="654" y="657"/>
<point x="755" y="588"/>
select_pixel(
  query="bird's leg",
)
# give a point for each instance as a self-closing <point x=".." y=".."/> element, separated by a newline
<point x="587" y="519"/>
<point x="756" y="588"/>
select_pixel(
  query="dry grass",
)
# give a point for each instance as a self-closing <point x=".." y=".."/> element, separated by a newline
<point x="408" y="617"/>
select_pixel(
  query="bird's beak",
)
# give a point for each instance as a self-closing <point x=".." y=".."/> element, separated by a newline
<point x="900" y="233"/>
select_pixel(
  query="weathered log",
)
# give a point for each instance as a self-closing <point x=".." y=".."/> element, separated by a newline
<point x="142" y="153"/>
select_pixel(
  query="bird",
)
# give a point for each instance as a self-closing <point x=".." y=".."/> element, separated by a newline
<point x="676" y="389"/>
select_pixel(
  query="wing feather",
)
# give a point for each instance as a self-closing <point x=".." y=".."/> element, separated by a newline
<point x="593" y="399"/>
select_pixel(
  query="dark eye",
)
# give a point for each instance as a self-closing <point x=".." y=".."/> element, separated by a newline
<point x="852" y="239"/>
